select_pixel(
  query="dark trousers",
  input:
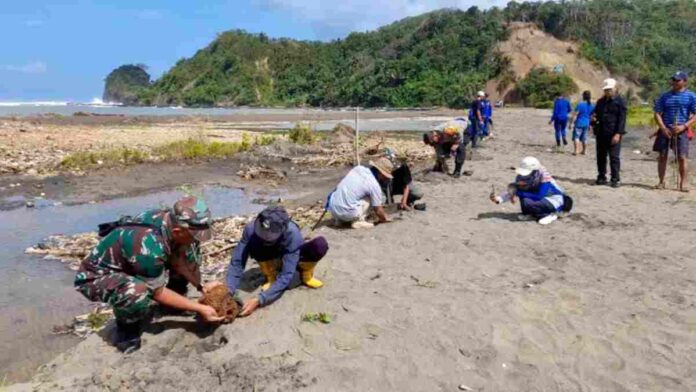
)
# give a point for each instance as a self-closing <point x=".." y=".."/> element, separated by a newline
<point x="475" y="131"/>
<point x="604" y="148"/>
<point x="560" y="127"/>
<point x="314" y="249"/>
<point x="443" y="151"/>
<point x="537" y="208"/>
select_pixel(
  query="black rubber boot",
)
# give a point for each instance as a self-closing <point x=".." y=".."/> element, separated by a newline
<point x="457" y="170"/>
<point x="128" y="336"/>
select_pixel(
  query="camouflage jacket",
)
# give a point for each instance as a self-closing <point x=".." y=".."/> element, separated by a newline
<point x="138" y="251"/>
<point x="163" y="218"/>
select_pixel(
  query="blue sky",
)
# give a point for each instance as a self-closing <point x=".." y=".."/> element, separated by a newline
<point x="63" y="50"/>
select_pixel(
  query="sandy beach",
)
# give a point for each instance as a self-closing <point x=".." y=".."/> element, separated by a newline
<point x="462" y="296"/>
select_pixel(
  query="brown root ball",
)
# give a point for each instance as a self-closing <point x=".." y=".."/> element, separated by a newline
<point x="223" y="303"/>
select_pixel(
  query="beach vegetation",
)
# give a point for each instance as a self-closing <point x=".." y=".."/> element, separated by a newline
<point x="640" y="116"/>
<point x="541" y="86"/>
<point x="302" y="134"/>
<point x="97" y="320"/>
<point x="191" y="148"/>
<point x="323" y="318"/>
<point x="104" y="158"/>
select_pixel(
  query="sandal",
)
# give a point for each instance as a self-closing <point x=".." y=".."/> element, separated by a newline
<point x="659" y="186"/>
<point x="685" y="190"/>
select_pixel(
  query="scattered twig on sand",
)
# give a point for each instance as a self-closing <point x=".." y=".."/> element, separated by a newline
<point x="227" y="232"/>
<point x="424" y="283"/>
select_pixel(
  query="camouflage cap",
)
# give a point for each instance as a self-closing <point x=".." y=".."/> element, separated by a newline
<point x="193" y="213"/>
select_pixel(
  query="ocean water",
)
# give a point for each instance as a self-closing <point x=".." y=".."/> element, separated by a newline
<point x="346" y="116"/>
<point x="23" y="109"/>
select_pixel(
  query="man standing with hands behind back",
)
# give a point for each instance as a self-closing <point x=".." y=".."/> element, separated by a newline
<point x="609" y="122"/>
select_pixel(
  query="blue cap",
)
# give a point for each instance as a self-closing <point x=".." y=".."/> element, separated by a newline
<point x="271" y="223"/>
<point x="679" y="75"/>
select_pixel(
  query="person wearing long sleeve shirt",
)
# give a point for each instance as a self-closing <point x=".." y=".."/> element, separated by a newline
<point x="609" y="118"/>
<point x="276" y="242"/>
<point x="559" y="118"/>
<point x="541" y="197"/>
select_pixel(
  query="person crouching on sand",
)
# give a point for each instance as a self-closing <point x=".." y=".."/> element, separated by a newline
<point x="450" y="141"/>
<point x="127" y="268"/>
<point x="540" y="195"/>
<point x="276" y="242"/>
<point x="358" y="191"/>
<point x="401" y="184"/>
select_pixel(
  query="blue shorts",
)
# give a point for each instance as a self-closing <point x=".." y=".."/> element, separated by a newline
<point x="580" y="133"/>
<point x="663" y="145"/>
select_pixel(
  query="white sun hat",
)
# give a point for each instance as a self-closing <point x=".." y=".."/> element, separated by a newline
<point x="481" y="94"/>
<point x="609" y="84"/>
<point x="528" y="165"/>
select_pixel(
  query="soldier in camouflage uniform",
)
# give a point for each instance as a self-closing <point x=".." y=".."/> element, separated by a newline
<point x="127" y="268"/>
<point x="188" y="272"/>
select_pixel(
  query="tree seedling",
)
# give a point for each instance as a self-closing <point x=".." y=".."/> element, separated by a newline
<point x="323" y="318"/>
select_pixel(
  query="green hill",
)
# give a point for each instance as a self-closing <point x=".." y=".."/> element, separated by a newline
<point x="125" y="83"/>
<point x="436" y="59"/>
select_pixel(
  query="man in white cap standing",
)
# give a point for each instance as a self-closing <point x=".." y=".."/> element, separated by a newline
<point x="540" y="195"/>
<point x="358" y="191"/>
<point x="609" y="120"/>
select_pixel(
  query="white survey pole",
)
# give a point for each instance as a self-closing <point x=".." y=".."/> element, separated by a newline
<point x="357" y="135"/>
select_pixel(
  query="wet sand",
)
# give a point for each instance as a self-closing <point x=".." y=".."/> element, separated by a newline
<point x="462" y="294"/>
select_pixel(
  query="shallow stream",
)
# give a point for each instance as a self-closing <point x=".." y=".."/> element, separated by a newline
<point x="36" y="294"/>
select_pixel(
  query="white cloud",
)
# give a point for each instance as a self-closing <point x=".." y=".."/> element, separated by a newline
<point x="34" y="23"/>
<point x="333" y="19"/>
<point x="150" y="15"/>
<point x="34" y="67"/>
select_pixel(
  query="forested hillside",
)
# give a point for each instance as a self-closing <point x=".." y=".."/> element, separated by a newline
<point x="436" y="59"/>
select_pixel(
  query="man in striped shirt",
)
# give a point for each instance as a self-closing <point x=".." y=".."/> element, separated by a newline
<point x="675" y="113"/>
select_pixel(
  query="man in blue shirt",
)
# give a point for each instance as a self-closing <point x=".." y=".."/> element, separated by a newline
<point x="559" y="118"/>
<point x="583" y="111"/>
<point x="476" y="118"/>
<point x="276" y="242"/>
<point x="675" y="113"/>
<point x="487" y="116"/>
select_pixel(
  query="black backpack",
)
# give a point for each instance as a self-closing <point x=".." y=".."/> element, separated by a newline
<point x="105" y="228"/>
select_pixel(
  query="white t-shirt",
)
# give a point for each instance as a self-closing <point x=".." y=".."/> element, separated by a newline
<point x="358" y="184"/>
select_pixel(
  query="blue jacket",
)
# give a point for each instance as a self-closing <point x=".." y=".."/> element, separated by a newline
<point x="561" y="109"/>
<point x="487" y="109"/>
<point x="287" y="248"/>
<point x="548" y="189"/>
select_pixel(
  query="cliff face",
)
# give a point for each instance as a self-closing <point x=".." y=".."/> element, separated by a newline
<point x="125" y="83"/>
<point x="528" y="48"/>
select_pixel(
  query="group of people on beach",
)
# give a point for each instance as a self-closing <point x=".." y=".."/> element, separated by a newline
<point x="674" y="114"/>
<point x="156" y="255"/>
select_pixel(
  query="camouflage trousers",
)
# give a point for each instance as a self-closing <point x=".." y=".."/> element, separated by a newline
<point x="129" y="296"/>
